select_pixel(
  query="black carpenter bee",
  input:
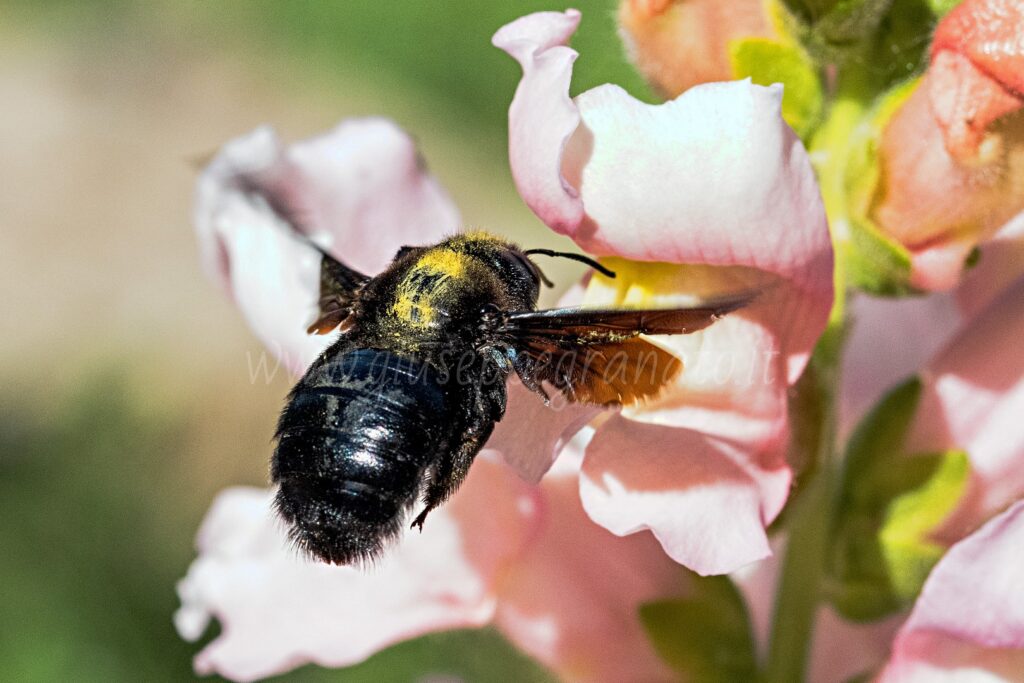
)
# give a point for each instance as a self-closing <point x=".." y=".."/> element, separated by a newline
<point x="396" y="409"/>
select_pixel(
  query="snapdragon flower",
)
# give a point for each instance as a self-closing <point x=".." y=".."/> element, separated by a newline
<point x="708" y="194"/>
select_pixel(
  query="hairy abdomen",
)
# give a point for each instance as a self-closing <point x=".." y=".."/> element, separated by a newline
<point x="354" y="444"/>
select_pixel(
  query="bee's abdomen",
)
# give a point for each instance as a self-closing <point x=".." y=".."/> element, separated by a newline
<point x="353" y="446"/>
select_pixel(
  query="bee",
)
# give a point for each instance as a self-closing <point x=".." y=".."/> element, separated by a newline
<point x="398" y="407"/>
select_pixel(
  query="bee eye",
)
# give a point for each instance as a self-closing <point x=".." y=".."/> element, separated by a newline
<point x="488" y="311"/>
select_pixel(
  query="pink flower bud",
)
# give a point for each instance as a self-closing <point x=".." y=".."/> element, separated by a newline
<point x="953" y="155"/>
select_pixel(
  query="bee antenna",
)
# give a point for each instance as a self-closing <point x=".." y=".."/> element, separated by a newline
<point x="543" y="278"/>
<point x="574" y="257"/>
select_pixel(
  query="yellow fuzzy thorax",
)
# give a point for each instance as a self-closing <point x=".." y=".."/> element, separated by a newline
<point x="443" y="262"/>
<point x="476" y="236"/>
<point x="435" y="273"/>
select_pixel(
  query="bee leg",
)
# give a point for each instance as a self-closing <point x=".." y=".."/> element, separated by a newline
<point x="420" y="518"/>
<point x="449" y="474"/>
<point x="451" y="471"/>
<point x="526" y="369"/>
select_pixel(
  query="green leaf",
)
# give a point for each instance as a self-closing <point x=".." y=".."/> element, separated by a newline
<point x="477" y="655"/>
<point x="706" y="637"/>
<point x="767" y="61"/>
<point x="889" y="503"/>
<point x="884" y="40"/>
<point x="910" y="518"/>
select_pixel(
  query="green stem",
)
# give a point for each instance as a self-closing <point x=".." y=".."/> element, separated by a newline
<point x="809" y="518"/>
<point x="808" y="522"/>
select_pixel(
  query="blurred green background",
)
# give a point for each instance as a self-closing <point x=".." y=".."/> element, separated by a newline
<point x="127" y="398"/>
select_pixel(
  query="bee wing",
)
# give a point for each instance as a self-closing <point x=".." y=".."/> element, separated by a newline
<point x="339" y="285"/>
<point x="597" y="355"/>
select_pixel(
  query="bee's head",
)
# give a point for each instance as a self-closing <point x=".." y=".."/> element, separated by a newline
<point x="513" y="266"/>
<point x="519" y="276"/>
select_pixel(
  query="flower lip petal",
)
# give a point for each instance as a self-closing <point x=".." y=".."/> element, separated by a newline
<point x="732" y="221"/>
<point x="536" y="32"/>
<point x="571" y="601"/>
<point x="280" y="611"/>
<point x="531" y="434"/>
<point x="536" y="41"/>
<point x="362" y="178"/>
<point x="705" y="501"/>
<point x="970" y="614"/>
<point x="988" y="33"/>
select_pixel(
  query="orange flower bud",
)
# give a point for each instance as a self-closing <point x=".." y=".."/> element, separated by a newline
<point x="977" y="73"/>
<point x="677" y="44"/>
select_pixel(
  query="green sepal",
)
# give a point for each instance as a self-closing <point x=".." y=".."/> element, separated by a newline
<point x="888" y="505"/>
<point x="875" y="263"/>
<point x="848" y="143"/>
<point x="767" y="61"/>
<point x="706" y="637"/>
<point x="899" y="50"/>
<point x="943" y="7"/>
<point x="886" y="40"/>
<point x="850" y="21"/>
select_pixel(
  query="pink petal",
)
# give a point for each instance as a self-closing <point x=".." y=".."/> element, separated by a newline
<point x="988" y="612"/>
<point x="1002" y="262"/>
<point x="713" y="177"/>
<point x="728" y="410"/>
<point x="840" y="650"/>
<point x="537" y="41"/>
<point x="987" y="32"/>
<point x="737" y="371"/>
<point x="359" y="191"/>
<point x="973" y="399"/>
<point x="934" y="658"/>
<point x="939" y="267"/>
<point x="706" y="500"/>
<point x="969" y="619"/>
<point x="572" y="599"/>
<point x="889" y="341"/>
<point x="951" y="179"/>
<point x="531" y="434"/>
<point x="279" y="611"/>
